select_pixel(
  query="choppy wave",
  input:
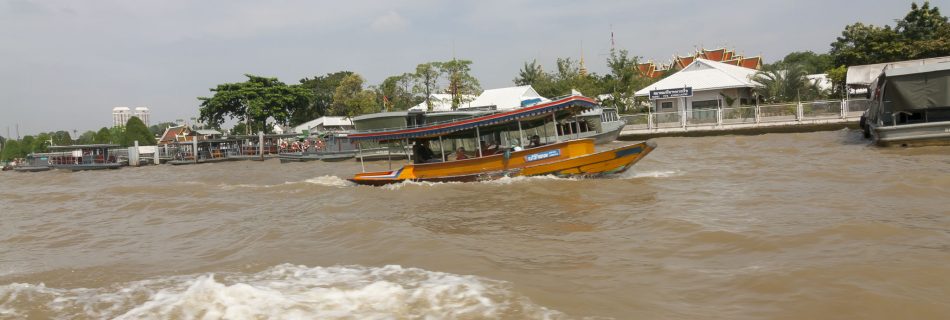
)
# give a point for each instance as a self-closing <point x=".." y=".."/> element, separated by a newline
<point x="284" y="291"/>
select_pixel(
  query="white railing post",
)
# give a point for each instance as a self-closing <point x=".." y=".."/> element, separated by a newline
<point x="755" y="112"/>
<point x="649" y="119"/>
<point x="844" y="108"/>
<point x="683" y="118"/>
<point x="799" y="112"/>
<point x="719" y="117"/>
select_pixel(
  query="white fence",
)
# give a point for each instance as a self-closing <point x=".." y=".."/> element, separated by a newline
<point x="789" y="113"/>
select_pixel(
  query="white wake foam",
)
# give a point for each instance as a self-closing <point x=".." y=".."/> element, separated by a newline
<point x="330" y="181"/>
<point x="284" y="291"/>
<point x="651" y="174"/>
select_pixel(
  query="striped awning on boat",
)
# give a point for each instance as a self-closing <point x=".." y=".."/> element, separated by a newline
<point x="439" y="129"/>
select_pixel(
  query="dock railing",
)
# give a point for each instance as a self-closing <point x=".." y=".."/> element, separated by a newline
<point x="790" y="113"/>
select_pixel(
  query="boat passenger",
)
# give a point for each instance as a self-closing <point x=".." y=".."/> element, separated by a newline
<point x="421" y="152"/>
<point x="486" y="150"/>
<point x="460" y="154"/>
<point x="534" y="142"/>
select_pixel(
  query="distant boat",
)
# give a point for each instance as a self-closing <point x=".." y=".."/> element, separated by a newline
<point x="562" y="157"/>
<point x="208" y="151"/>
<point x="34" y="163"/>
<point x="84" y="157"/>
<point x="910" y="106"/>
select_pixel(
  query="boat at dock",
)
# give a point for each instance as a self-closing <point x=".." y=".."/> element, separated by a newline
<point x="910" y="106"/>
<point x="208" y="151"/>
<point x="84" y="157"/>
<point x="563" y="156"/>
<point x="34" y="163"/>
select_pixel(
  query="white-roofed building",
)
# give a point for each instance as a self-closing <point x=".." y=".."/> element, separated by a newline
<point x="714" y="85"/>
<point x="508" y="98"/>
<point x="443" y="102"/>
<point x="325" y="124"/>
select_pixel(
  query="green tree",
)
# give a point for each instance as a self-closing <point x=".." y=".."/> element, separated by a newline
<point x="256" y="99"/>
<point x="42" y="142"/>
<point x="88" y="137"/>
<point x="531" y="75"/>
<point x="461" y="83"/>
<point x="813" y="63"/>
<point x="61" y="138"/>
<point x="135" y="130"/>
<point x="238" y="129"/>
<point x="922" y="33"/>
<point x="350" y="99"/>
<point x="322" y="88"/>
<point x="838" y="76"/>
<point x="117" y="135"/>
<point x="11" y="150"/>
<point x="26" y="144"/>
<point x="623" y="81"/>
<point x="922" y="23"/>
<point x="427" y="81"/>
<point x="103" y="136"/>
<point x="784" y="83"/>
<point x="397" y="91"/>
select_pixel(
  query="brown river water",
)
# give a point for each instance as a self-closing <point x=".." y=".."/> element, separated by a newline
<point x="778" y="226"/>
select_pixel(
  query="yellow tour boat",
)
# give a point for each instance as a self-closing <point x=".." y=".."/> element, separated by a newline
<point x="564" y="158"/>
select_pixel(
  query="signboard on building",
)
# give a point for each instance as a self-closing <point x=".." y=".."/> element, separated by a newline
<point x="671" y="93"/>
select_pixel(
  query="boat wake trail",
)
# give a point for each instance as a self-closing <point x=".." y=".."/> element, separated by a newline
<point x="650" y="174"/>
<point x="283" y="291"/>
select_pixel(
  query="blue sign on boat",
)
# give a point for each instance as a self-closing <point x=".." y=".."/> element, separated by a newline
<point x="671" y="93"/>
<point x="542" y="155"/>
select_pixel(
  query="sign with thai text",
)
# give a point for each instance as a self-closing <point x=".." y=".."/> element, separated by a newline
<point x="542" y="155"/>
<point x="671" y="93"/>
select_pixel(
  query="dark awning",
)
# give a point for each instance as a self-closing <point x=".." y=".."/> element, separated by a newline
<point x="917" y="88"/>
<point x="571" y="103"/>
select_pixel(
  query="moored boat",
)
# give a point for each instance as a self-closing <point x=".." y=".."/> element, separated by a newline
<point x="570" y="158"/>
<point x="910" y="106"/>
<point x="34" y="163"/>
<point x="84" y="157"/>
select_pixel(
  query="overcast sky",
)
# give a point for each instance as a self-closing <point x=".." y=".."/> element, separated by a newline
<point x="64" y="64"/>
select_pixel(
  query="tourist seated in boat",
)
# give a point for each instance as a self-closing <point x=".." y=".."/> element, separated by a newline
<point x="534" y="142"/>
<point x="486" y="150"/>
<point x="421" y="153"/>
<point x="460" y="154"/>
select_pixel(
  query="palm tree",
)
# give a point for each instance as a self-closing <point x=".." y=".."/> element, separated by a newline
<point x="781" y="83"/>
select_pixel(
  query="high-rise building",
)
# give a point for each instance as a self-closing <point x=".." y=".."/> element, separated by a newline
<point x="143" y="114"/>
<point x="121" y="115"/>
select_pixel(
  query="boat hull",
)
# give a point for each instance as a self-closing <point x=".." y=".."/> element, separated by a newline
<point x="912" y="135"/>
<point x="574" y="158"/>
<point x="32" y="168"/>
<point x="85" y="167"/>
<point x="298" y="157"/>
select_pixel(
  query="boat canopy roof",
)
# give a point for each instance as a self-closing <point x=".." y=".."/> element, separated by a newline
<point x="560" y="106"/>
<point x="84" y="146"/>
<point x="918" y="87"/>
